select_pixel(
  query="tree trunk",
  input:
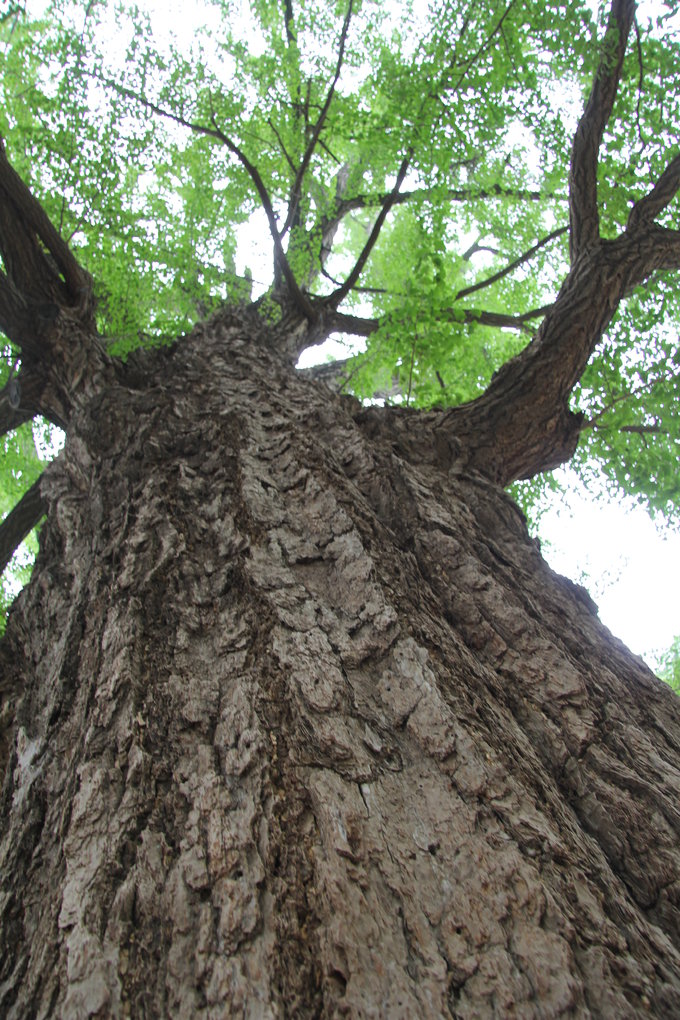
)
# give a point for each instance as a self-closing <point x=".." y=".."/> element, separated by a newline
<point x="298" y="722"/>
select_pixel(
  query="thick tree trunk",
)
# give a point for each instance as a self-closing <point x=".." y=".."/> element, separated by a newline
<point x="299" y="723"/>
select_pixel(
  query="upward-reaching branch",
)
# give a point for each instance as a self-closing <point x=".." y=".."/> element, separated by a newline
<point x="511" y="266"/>
<point x="583" y="211"/>
<point x="341" y="293"/>
<point x="661" y="195"/>
<point x="522" y="424"/>
<point x="20" y="522"/>
<point x="14" y="192"/>
<point x="318" y="127"/>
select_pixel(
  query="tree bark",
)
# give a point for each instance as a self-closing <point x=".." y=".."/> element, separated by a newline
<point x="298" y="722"/>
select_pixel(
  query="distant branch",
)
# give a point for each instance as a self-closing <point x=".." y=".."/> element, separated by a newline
<point x="638" y="43"/>
<point x="298" y="297"/>
<point x="498" y="319"/>
<point x="643" y="430"/>
<point x="288" y="18"/>
<point x="289" y="161"/>
<point x="466" y="291"/>
<point x="356" y="325"/>
<point x="450" y="195"/>
<point x="477" y="54"/>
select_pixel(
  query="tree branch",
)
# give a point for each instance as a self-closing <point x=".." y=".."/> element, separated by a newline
<point x="288" y="19"/>
<point x="338" y="295"/>
<point x="355" y="325"/>
<point x="644" y="430"/>
<point x="466" y="291"/>
<point x="583" y="212"/>
<point x="475" y="56"/>
<point x="663" y="192"/>
<point x="318" y="127"/>
<point x="452" y="195"/>
<point x="20" y="521"/>
<point x="300" y="299"/>
<point x="32" y="215"/>
<point x="522" y="423"/>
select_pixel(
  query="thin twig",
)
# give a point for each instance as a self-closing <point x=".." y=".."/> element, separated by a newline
<point x="640" y="82"/>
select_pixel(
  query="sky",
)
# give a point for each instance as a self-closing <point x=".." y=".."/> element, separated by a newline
<point x="631" y="567"/>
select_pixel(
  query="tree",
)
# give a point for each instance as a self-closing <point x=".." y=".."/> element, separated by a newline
<point x="295" y="718"/>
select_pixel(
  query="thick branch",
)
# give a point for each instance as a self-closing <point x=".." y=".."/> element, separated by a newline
<point x="583" y="212"/>
<point x="25" y="209"/>
<point x="663" y="192"/>
<point x="522" y="423"/>
<point x="20" y="522"/>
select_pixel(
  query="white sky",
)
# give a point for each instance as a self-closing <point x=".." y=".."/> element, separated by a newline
<point x="632" y="569"/>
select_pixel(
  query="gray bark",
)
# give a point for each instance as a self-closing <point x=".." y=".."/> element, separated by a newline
<point x="298" y="722"/>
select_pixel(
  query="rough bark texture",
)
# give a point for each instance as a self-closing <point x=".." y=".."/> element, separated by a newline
<point x="298" y="722"/>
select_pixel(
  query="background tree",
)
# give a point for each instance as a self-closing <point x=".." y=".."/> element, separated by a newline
<point x="295" y="717"/>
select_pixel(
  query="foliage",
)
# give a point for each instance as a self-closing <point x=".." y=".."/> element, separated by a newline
<point x="134" y="148"/>
<point x="669" y="666"/>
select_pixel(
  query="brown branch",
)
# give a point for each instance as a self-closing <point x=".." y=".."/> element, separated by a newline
<point x="522" y="423"/>
<point x="466" y="291"/>
<point x="476" y="247"/>
<point x="452" y="195"/>
<point x="498" y="320"/>
<point x="300" y="299"/>
<point x="33" y="216"/>
<point x="288" y="19"/>
<point x="318" y="127"/>
<point x="289" y="161"/>
<point x="338" y="295"/>
<point x="663" y="192"/>
<point x="355" y="325"/>
<point x="583" y="211"/>
<point x="20" y="521"/>
<point x="643" y="430"/>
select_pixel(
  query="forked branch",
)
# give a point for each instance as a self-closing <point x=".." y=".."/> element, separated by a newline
<point x="299" y="298"/>
<point x="341" y="293"/>
<point x="318" y="127"/>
